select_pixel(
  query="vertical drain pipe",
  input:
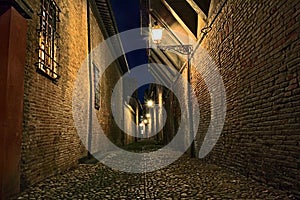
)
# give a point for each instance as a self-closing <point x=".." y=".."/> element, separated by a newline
<point x="89" y="138"/>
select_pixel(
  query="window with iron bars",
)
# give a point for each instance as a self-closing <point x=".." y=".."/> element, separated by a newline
<point x="96" y="88"/>
<point x="48" y="50"/>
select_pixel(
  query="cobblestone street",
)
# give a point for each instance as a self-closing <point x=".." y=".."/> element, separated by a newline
<point x="187" y="178"/>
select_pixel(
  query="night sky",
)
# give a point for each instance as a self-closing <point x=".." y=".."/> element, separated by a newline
<point x="127" y="15"/>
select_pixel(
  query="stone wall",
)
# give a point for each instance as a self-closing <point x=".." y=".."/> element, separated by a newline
<point x="50" y="143"/>
<point x="256" y="46"/>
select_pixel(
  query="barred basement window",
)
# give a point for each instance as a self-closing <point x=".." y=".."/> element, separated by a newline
<point x="48" y="40"/>
<point x="96" y="87"/>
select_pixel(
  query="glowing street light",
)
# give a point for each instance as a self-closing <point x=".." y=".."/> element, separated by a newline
<point x="148" y="115"/>
<point x="145" y="121"/>
<point x="150" y="103"/>
<point x="157" y="33"/>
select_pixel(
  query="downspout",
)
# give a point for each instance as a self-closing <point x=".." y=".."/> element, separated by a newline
<point x="90" y="128"/>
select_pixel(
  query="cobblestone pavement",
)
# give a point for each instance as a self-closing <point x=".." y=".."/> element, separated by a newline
<point x="187" y="178"/>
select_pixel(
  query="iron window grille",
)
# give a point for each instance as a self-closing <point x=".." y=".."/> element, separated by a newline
<point x="96" y="88"/>
<point x="48" y="50"/>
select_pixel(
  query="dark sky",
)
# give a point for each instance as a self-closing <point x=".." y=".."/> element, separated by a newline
<point x="127" y="15"/>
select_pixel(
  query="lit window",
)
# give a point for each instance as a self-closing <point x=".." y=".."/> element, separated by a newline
<point x="48" y="40"/>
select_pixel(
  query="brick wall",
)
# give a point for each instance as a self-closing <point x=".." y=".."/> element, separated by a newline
<point x="256" y="47"/>
<point x="50" y="143"/>
<point x="105" y="118"/>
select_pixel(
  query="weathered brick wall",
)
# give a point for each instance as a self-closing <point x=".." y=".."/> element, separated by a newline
<point x="176" y="117"/>
<point x="107" y="82"/>
<point x="50" y="143"/>
<point x="109" y="126"/>
<point x="173" y="118"/>
<point x="256" y="47"/>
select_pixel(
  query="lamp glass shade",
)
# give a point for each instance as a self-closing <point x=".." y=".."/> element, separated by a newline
<point x="157" y="33"/>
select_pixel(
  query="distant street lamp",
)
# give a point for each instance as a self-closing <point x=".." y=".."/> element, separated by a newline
<point x="145" y="121"/>
<point x="150" y="103"/>
<point x="157" y="34"/>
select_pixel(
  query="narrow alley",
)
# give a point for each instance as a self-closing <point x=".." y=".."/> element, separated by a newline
<point x="150" y="99"/>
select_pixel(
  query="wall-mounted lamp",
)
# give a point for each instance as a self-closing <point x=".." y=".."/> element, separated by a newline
<point x="157" y="33"/>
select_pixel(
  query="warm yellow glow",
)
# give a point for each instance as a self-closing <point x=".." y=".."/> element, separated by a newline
<point x="157" y="33"/>
<point x="41" y="53"/>
<point x="145" y="121"/>
<point x="150" y="103"/>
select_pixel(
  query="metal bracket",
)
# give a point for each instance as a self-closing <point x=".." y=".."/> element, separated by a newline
<point x="183" y="49"/>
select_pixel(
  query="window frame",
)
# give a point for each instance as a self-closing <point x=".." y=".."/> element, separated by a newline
<point x="96" y="73"/>
<point x="48" y="50"/>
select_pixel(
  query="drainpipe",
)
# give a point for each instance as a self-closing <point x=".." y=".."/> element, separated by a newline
<point x="90" y="128"/>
